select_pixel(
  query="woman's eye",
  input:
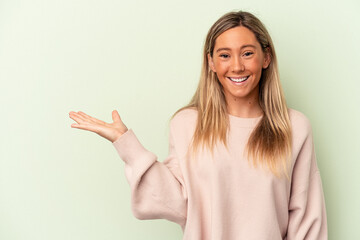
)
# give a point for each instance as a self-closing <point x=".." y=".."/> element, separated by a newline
<point x="247" y="54"/>
<point x="224" y="55"/>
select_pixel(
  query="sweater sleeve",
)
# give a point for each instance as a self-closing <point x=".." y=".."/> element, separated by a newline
<point x="157" y="188"/>
<point x="307" y="213"/>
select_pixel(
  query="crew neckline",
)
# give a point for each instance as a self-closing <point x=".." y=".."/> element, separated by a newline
<point x="244" y="122"/>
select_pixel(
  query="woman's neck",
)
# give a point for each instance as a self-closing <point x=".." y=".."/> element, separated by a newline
<point x="245" y="108"/>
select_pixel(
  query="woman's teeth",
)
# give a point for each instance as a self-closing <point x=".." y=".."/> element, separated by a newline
<point x="238" y="80"/>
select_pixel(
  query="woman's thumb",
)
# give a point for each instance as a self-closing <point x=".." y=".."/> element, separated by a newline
<point x="116" y="116"/>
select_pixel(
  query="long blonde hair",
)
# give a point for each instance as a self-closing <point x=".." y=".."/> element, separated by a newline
<point x="270" y="142"/>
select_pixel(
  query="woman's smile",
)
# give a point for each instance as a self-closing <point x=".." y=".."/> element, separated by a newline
<point x="237" y="80"/>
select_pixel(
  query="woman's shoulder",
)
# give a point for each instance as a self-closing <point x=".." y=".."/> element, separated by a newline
<point x="299" y="121"/>
<point x="183" y="122"/>
<point x="185" y="116"/>
<point x="182" y="127"/>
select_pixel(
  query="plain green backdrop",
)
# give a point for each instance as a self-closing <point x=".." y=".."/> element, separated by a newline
<point x="143" y="58"/>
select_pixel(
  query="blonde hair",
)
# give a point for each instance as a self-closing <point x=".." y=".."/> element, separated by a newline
<point x="270" y="142"/>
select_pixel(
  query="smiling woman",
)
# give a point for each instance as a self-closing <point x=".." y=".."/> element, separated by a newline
<point x="238" y="60"/>
<point x="211" y="184"/>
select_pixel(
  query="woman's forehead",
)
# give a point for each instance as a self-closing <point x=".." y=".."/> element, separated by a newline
<point x="237" y="37"/>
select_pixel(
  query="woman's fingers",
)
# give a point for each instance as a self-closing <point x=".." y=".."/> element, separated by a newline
<point x="82" y="118"/>
<point x="90" y="118"/>
<point x="77" y="118"/>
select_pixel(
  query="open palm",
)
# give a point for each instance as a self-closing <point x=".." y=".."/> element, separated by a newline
<point x="110" y="131"/>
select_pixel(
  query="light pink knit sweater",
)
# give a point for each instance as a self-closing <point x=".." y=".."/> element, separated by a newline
<point x="222" y="196"/>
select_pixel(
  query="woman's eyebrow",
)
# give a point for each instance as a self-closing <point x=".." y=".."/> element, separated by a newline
<point x="228" y="49"/>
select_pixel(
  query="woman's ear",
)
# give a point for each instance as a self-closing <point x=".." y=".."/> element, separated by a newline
<point x="267" y="58"/>
<point x="211" y="63"/>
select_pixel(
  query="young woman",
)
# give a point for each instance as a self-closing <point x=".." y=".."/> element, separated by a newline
<point x="241" y="164"/>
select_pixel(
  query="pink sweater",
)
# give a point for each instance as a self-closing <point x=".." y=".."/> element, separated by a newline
<point x="222" y="196"/>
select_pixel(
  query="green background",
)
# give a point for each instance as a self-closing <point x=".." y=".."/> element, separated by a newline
<point x="143" y="58"/>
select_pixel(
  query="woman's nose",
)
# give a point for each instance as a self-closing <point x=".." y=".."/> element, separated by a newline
<point x="237" y="65"/>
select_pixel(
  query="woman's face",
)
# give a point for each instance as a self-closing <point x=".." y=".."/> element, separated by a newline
<point x="238" y="60"/>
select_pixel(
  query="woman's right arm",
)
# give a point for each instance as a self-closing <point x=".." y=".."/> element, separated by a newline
<point x="157" y="188"/>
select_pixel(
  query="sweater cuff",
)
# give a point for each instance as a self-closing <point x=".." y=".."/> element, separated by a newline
<point x="131" y="151"/>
